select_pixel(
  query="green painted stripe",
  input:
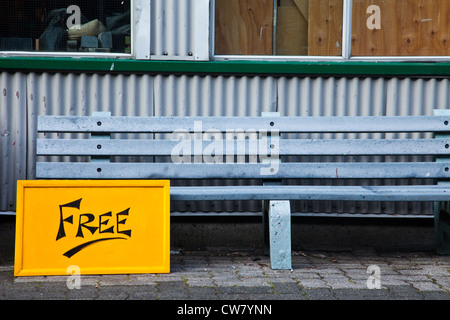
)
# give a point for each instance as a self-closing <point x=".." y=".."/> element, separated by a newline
<point x="234" y="67"/>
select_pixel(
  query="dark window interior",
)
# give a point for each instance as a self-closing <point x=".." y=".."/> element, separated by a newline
<point x="37" y="25"/>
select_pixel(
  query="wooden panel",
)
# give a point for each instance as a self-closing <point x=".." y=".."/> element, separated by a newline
<point x="244" y="27"/>
<point x="292" y="28"/>
<point x="325" y="27"/>
<point x="408" y="28"/>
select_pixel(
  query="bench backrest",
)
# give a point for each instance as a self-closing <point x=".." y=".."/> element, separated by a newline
<point x="241" y="147"/>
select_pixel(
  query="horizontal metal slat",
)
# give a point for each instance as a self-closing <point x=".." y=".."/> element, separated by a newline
<point x="397" y="170"/>
<point x="148" y="147"/>
<point x="282" y="124"/>
<point x="345" y="193"/>
<point x="288" y="147"/>
<point x="343" y="147"/>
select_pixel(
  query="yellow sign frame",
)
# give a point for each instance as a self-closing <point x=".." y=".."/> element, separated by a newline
<point x="99" y="226"/>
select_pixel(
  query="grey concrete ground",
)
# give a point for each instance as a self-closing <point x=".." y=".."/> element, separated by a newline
<point x="243" y="273"/>
<point x="331" y="262"/>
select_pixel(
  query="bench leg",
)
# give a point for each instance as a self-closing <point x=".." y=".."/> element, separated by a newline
<point x="265" y="225"/>
<point x="442" y="209"/>
<point x="442" y="227"/>
<point x="280" y="235"/>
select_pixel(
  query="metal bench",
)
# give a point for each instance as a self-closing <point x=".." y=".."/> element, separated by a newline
<point x="264" y="149"/>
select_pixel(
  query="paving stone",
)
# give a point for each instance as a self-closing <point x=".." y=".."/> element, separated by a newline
<point x="312" y="283"/>
<point x="286" y="288"/>
<point x="216" y="275"/>
<point x="319" y="294"/>
<point x="426" y="286"/>
<point x="404" y="292"/>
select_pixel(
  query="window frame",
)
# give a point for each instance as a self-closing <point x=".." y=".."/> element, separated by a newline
<point x="346" y="54"/>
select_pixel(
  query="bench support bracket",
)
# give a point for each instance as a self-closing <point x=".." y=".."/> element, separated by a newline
<point x="280" y="235"/>
<point x="442" y="227"/>
<point x="442" y="209"/>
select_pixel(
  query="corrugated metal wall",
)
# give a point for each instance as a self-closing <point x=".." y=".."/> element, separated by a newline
<point x="24" y="96"/>
<point x="13" y="136"/>
<point x="172" y="28"/>
<point x="179" y="29"/>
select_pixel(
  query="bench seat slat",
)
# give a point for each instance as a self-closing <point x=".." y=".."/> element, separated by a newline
<point x="345" y="193"/>
<point x="307" y="147"/>
<point x="336" y="170"/>
<point x="283" y="124"/>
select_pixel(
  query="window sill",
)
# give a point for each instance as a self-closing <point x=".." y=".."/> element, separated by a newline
<point x="344" y="68"/>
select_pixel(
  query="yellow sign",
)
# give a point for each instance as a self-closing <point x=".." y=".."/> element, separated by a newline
<point x="102" y="227"/>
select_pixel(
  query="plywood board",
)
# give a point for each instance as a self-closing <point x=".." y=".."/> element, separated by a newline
<point x="407" y="28"/>
<point x="325" y="27"/>
<point x="244" y="27"/>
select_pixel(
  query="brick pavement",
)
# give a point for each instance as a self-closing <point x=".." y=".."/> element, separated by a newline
<point x="245" y="274"/>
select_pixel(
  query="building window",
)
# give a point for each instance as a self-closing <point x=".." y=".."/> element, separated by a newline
<point x="329" y="29"/>
<point x="65" y="26"/>
<point x="283" y="27"/>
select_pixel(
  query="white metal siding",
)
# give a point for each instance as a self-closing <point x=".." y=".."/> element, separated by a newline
<point x="179" y="29"/>
<point x="13" y="136"/>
